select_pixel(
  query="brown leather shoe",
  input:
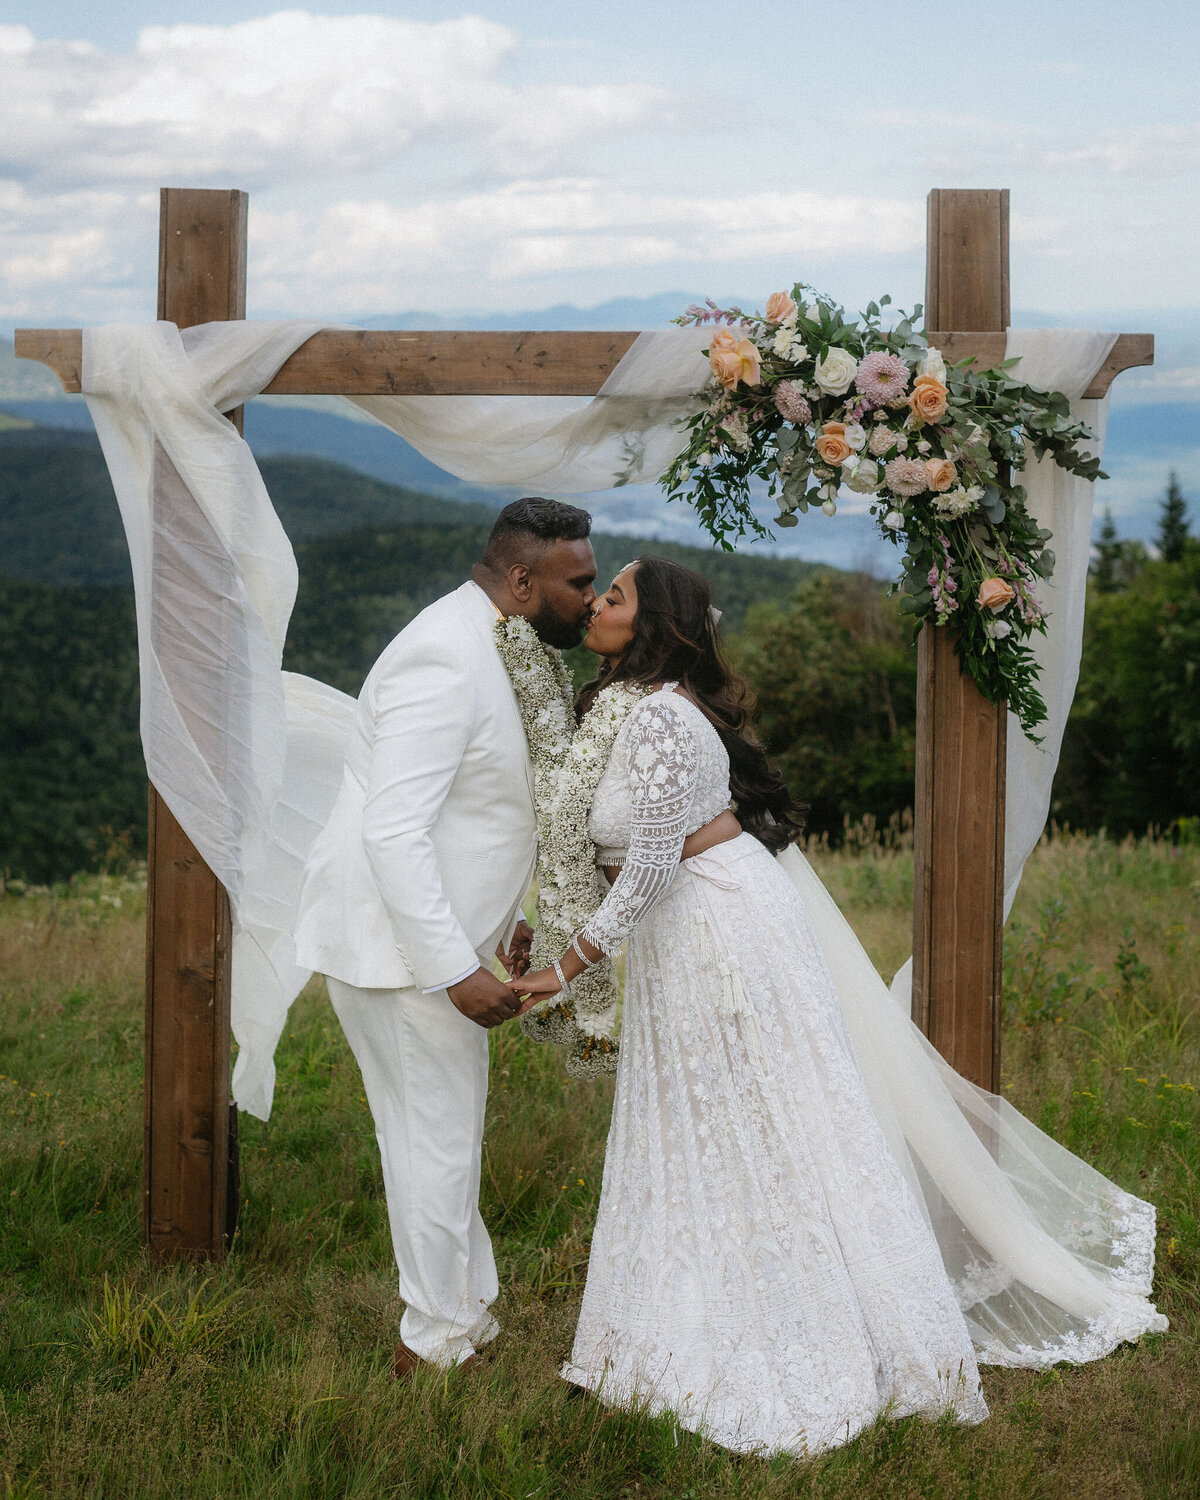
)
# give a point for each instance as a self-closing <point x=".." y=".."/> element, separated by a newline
<point x="406" y="1360"/>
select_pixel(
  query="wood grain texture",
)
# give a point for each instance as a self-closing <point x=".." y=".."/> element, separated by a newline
<point x="190" y="1173"/>
<point x="958" y="883"/>
<point x="496" y="364"/>
<point x="959" y="792"/>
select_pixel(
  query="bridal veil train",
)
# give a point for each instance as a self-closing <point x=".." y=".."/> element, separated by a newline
<point x="808" y="1219"/>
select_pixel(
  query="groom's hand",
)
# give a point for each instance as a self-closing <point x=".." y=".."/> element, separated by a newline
<point x="483" y="999"/>
<point x="516" y="958"/>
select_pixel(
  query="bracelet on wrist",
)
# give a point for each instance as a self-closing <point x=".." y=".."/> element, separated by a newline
<point x="564" y="987"/>
<point x="584" y="959"/>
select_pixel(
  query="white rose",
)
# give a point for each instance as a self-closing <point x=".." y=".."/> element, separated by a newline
<point x="704" y="460"/>
<point x="933" y="364"/>
<point x="850" y="466"/>
<point x="866" y="477"/>
<point x="835" y="372"/>
<point x="922" y="446"/>
<point x="894" y="520"/>
<point x="996" y="630"/>
<point x="782" y="342"/>
<point x="855" y="435"/>
<point x="829" y="508"/>
<point x="812" y="311"/>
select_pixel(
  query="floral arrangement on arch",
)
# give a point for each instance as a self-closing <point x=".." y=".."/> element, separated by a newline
<point x="810" y="400"/>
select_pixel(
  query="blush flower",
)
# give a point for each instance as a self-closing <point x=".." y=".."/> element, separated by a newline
<point x="907" y="476"/>
<point x="942" y="473"/>
<point x="741" y="363"/>
<point x="790" y="403"/>
<point x="781" y="308"/>
<point x="882" y="439"/>
<point x="832" y="444"/>
<point x="994" y="594"/>
<point x="882" y="377"/>
<point x="928" y="399"/>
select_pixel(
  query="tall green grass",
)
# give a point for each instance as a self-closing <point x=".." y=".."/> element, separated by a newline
<point x="268" y="1375"/>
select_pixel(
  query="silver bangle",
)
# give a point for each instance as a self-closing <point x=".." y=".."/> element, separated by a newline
<point x="562" y="979"/>
<point x="587" y="962"/>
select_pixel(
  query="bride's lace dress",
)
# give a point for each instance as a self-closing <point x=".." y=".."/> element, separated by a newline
<point x="760" y="1265"/>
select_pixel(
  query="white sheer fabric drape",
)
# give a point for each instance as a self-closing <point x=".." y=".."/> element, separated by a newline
<point x="248" y="757"/>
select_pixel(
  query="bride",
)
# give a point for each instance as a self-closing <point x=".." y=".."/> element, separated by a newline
<point x="807" y="1218"/>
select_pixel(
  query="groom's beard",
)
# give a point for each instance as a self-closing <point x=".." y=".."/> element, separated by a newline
<point x="555" y="631"/>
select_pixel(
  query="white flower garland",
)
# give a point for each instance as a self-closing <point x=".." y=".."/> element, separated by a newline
<point x="567" y="765"/>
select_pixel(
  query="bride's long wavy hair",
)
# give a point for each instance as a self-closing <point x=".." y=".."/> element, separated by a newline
<point x="675" y="640"/>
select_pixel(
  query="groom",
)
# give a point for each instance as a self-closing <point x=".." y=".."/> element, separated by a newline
<point x="416" y="878"/>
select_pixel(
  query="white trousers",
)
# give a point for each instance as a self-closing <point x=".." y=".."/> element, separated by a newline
<point x="425" y="1070"/>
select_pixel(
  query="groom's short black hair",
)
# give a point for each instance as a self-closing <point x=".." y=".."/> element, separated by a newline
<point x="532" y="524"/>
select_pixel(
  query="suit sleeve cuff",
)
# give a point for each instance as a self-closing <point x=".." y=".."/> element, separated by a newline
<point x="433" y="988"/>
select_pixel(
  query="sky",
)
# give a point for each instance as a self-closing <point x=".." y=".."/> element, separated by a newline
<point x="414" y="154"/>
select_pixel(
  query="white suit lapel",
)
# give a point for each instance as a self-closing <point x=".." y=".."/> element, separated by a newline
<point x="482" y="613"/>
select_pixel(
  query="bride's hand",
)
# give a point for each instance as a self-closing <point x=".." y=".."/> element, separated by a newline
<point x="534" y="987"/>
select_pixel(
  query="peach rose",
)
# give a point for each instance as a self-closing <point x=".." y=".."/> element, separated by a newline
<point x="742" y="363"/>
<point x="726" y="366"/>
<point x="832" y="444"/>
<point x="928" y="398"/>
<point x="780" y="308"/>
<point x="722" y="339"/>
<point x="994" y="594"/>
<point x="942" y="474"/>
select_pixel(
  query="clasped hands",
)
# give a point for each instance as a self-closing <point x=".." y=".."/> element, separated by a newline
<point x="487" y="1001"/>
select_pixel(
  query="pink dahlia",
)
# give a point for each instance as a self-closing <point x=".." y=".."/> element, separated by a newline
<point x="906" y="476"/>
<point x="790" y="403"/>
<point x="882" y="377"/>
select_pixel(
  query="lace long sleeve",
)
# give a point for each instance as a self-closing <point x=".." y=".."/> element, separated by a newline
<point x="663" y="760"/>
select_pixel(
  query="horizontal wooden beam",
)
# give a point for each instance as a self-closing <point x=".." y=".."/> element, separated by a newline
<point x="360" y="363"/>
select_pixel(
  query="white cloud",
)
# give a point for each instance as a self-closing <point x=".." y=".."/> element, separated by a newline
<point x="360" y="254"/>
<point x="295" y="94"/>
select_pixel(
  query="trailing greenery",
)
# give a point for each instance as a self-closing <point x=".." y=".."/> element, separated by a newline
<point x="267" y="1377"/>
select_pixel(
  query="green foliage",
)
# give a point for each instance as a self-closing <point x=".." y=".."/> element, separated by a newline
<point x="1172" y="523"/>
<point x="1116" y="563"/>
<point x="71" y="764"/>
<point x="835" y="677"/>
<point x="1132" y="745"/>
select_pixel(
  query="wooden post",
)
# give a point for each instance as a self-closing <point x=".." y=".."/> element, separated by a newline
<point x="959" y="803"/>
<point x="190" y="1173"/>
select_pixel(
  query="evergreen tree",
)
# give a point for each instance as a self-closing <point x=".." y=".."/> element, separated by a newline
<point x="1172" y="523"/>
<point x="1106" y="563"/>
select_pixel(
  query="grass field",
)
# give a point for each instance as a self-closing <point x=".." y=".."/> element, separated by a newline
<point x="268" y="1375"/>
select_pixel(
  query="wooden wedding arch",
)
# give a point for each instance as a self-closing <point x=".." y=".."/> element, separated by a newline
<point x="190" y="1179"/>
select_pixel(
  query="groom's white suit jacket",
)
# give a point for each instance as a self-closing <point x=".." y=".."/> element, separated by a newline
<point x="430" y="848"/>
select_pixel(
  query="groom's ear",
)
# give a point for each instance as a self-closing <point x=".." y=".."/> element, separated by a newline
<point x="520" y="582"/>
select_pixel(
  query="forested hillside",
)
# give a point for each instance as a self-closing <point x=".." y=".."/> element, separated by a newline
<point x="827" y="653"/>
<point x="70" y="759"/>
<point x="59" y="521"/>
